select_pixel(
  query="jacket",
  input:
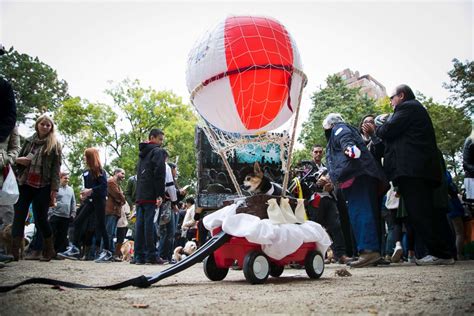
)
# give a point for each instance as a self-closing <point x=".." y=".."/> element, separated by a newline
<point x="151" y="173"/>
<point x="341" y="167"/>
<point x="9" y="151"/>
<point x="410" y="144"/>
<point x="8" y="117"/>
<point x="98" y="185"/>
<point x="130" y="191"/>
<point x="468" y="158"/>
<point x="51" y="164"/>
<point x="115" y="198"/>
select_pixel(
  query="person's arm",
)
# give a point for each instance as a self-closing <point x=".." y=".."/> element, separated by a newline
<point x="345" y="138"/>
<point x="7" y="100"/>
<point x="159" y="171"/>
<point x="56" y="168"/>
<point x="397" y="124"/>
<point x="101" y="183"/>
<point x="114" y="191"/>
<point x="73" y="205"/>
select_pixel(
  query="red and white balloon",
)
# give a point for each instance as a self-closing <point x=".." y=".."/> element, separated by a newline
<point x="241" y="75"/>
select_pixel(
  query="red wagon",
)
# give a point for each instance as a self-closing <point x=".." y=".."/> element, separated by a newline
<point x="255" y="264"/>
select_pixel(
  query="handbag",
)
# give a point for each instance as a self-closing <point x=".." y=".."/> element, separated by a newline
<point x="165" y="216"/>
<point x="9" y="193"/>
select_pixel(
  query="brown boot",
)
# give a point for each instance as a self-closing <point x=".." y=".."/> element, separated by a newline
<point x="16" y="246"/>
<point x="118" y="251"/>
<point x="48" y="249"/>
<point x="33" y="255"/>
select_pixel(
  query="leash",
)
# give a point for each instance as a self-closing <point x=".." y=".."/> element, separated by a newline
<point x="142" y="281"/>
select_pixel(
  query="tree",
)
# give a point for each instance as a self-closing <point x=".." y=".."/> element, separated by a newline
<point x="118" y="129"/>
<point x="336" y="97"/>
<point x="452" y="126"/>
<point x="462" y="85"/>
<point x="37" y="86"/>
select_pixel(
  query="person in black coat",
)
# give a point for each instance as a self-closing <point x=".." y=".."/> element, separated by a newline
<point x="150" y="192"/>
<point x="411" y="161"/>
<point x="468" y="165"/>
<point x="8" y="106"/>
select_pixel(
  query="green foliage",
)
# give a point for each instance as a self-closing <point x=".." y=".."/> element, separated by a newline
<point x="462" y="85"/>
<point x="37" y="86"/>
<point x="121" y="127"/>
<point x="451" y="126"/>
<point x="336" y="97"/>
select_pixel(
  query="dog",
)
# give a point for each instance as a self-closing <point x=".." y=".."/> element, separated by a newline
<point x="256" y="182"/>
<point x="180" y="253"/>
<point x="127" y="250"/>
<point x="6" y="241"/>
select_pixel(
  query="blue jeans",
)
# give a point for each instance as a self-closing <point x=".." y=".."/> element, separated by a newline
<point x="144" y="233"/>
<point x="111" y="227"/>
<point x="362" y="200"/>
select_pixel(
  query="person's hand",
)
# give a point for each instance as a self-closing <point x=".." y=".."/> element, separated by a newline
<point x="322" y="181"/>
<point x="352" y="152"/>
<point x="368" y="129"/>
<point x="52" y="197"/>
<point x="328" y="187"/>
<point x="23" y="161"/>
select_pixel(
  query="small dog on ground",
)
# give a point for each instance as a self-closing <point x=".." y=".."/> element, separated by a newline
<point x="257" y="182"/>
<point x="6" y="241"/>
<point x="180" y="253"/>
<point x="127" y="250"/>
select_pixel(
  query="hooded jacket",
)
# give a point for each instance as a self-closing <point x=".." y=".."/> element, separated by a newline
<point x="341" y="167"/>
<point x="151" y="173"/>
<point x="410" y="144"/>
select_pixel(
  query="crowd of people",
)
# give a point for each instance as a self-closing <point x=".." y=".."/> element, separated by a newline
<point x="392" y="177"/>
<point x="379" y="180"/>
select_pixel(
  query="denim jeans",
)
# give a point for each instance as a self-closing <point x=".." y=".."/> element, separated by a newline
<point x="362" y="199"/>
<point x="144" y="233"/>
<point x="111" y="227"/>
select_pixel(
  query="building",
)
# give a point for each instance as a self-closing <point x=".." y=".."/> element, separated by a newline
<point x="368" y="84"/>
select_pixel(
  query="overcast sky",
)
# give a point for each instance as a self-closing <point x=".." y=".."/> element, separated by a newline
<point x="90" y="43"/>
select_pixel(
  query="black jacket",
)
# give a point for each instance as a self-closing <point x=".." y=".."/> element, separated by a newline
<point x="7" y="109"/>
<point x="98" y="185"/>
<point x="151" y="173"/>
<point x="468" y="158"/>
<point x="410" y="144"/>
<point x="341" y="167"/>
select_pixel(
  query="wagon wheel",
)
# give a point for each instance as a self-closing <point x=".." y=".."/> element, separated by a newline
<point x="314" y="264"/>
<point x="256" y="267"/>
<point x="276" y="270"/>
<point x="211" y="270"/>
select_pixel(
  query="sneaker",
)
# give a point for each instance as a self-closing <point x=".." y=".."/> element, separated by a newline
<point x="365" y="259"/>
<point x="397" y="253"/>
<point x="411" y="259"/>
<point x="430" y="260"/>
<point x="72" y="253"/>
<point x="6" y="258"/>
<point x="344" y="259"/>
<point x="104" y="256"/>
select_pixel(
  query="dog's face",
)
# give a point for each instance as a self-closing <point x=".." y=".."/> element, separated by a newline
<point x="253" y="180"/>
<point x="190" y="247"/>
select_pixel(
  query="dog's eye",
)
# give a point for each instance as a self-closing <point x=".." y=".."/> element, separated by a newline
<point x="247" y="178"/>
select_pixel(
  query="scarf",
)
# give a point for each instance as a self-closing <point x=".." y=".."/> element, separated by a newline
<point x="34" y="173"/>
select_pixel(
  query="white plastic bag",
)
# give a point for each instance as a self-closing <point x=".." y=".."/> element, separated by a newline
<point x="9" y="193"/>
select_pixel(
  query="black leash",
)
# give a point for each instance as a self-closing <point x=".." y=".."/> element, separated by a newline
<point x="142" y="281"/>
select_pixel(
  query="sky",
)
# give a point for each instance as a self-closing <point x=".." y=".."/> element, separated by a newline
<point x="91" y="43"/>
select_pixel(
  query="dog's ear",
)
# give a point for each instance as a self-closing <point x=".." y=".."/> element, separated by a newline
<point x="257" y="169"/>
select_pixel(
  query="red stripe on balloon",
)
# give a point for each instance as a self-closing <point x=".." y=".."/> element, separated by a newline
<point x="258" y="95"/>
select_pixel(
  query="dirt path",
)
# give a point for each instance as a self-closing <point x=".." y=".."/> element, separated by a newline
<point x="399" y="289"/>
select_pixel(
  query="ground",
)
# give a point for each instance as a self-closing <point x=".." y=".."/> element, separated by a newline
<point x="395" y="289"/>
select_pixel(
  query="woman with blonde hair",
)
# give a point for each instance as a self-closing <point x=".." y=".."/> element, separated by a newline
<point x="38" y="166"/>
<point x="93" y="196"/>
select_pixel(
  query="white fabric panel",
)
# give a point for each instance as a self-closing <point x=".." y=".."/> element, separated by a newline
<point x="215" y="103"/>
<point x="278" y="241"/>
<point x="207" y="58"/>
